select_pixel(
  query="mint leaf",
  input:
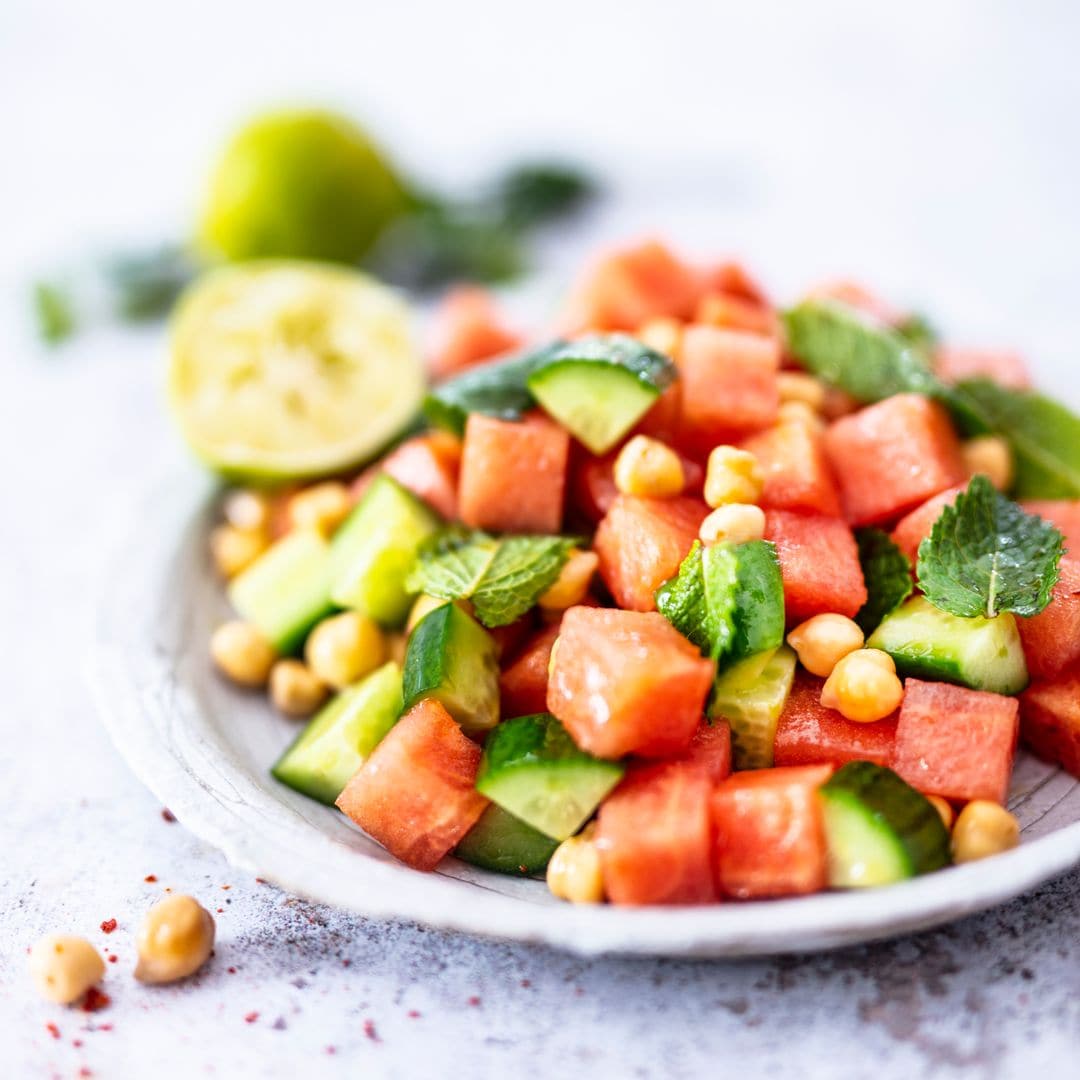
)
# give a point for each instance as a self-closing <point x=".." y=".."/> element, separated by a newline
<point x="985" y="556"/>
<point x="918" y="331"/>
<point x="887" y="572"/>
<point x="503" y="578"/>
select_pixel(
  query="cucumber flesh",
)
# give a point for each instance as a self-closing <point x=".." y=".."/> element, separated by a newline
<point x="506" y="844"/>
<point x="759" y="599"/>
<point x="323" y="757"/>
<point x="927" y="643"/>
<point x="534" y="770"/>
<point x="752" y="706"/>
<point x="373" y="551"/>
<point x="286" y="591"/>
<point x="453" y="659"/>
<point x="878" y="829"/>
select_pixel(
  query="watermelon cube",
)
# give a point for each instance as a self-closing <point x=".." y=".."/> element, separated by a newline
<point x="523" y="683"/>
<point x="912" y="529"/>
<point x="428" y="466"/>
<point x="1050" y="720"/>
<point x="1003" y="366"/>
<point x="627" y="682"/>
<point x="711" y="749"/>
<point x="769" y="835"/>
<point x="734" y="279"/>
<point x="797" y="474"/>
<point x="513" y="474"/>
<point x="654" y="837"/>
<point x="892" y="456"/>
<point x="1051" y="639"/>
<point x="466" y="331"/>
<point x="732" y="312"/>
<point x="811" y="734"/>
<point x="641" y="543"/>
<point x="1064" y="513"/>
<point x="819" y="562"/>
<point x="416" y="793"/>
<point x="858" y="296"/>
<point x="954" y="742"/>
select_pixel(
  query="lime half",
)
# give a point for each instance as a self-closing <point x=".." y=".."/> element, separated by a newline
<point x="282" y="370"/>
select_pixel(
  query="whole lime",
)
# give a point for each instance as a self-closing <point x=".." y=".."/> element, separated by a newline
<point x="299" y="184"/>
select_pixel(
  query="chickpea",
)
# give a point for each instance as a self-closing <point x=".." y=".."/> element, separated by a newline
<point x="733" y="476"/>
<point x="662" y="334"/>
<point x="64" y="967"/>
<point x="944" y="810"/>
<point x="823" y="641"/>
<point x="862" y="687"/>
<point x="396" y="647"/>
<point x="735" y="523"/>
<point x="983" y="828"/>
<point x="345" y="648"/>
<point x="249" y="510"/>
<point x="649" y="467"/>
<point x="570" y="587"/>
<point x="241" y="652"/>
<point x="992" y="456"/>
<point x="574" y="872"/>
<point x="234" y="550"/>
<point x="798" y="386"/>
<point x="322" y="507"/>
<point x="798" y="412"/>
<point x="295" y="689"/>
<point x="174" y="941"/>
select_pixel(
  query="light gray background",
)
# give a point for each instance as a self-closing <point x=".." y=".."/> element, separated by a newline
<point x="929" y="147"/>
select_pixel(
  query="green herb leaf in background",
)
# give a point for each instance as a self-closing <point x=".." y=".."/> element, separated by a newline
<point x="887" y="572"/>
<point x="985" y="556"/>
<point x="53" y="312"/>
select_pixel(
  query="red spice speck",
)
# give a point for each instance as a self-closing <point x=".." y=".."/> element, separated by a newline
<point x="112" y="958"/>
<point x="346" y="963"/>
<point x="331" y="1049"/>
<point x="226" y="887"/>
<point x="167" y="815"/>
<point x="53" y="1030"/>
<point x="474" y="1001"/>
<point x="103" y="1027"/>
<point x="414" y="1014"/>
<point x="260" y="881"/>
<point x="231" y="971"/>
<point x="150" y="878"/>
<point x="95" y="1000"/>
<point x="370" y="1032"/>
<point x="526" y="983"/>
<point x="84" y="1071"/>
<point x="108" y="926"/>
<point x="251" y="1018"/>
<point x="76" y="1043"/>
<point x="220" y="911"/>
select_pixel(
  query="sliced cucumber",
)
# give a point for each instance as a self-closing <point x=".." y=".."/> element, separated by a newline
<point x="534" y="770"/>
<point x="373" y="552"/>
<point x="503" y="843"/>
<point x="599" y="387"/>
<point x="323" y="757"/>
<point x="752" y="705"/>
<point x="452" y="658"/>
<point x="878" y="829"/>
<point x="983" y="654"/>
<point x="286" y="591"/>
<point x="759" y="600"/>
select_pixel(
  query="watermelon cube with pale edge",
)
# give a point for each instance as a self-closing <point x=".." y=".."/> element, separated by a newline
<point x="1064" y="513"/>
<point x="523" y="683"/>
<point x="428" y="466"/>
<point x="711" y="749"/>
<point x="797" y="474"/>
<point x="467" y="331"/>
<point x="732" y="312"/>
<point x="1003" y="366"/>
<point x="1051" y="639"/>
<point x="1050" y="720"/>
<point x="912" y="529"/>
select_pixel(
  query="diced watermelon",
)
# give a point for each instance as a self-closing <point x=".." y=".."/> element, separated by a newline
<point x="664" y="416"/>
<point x="1064" y="513"/>
<point x="857" y="296"/>
<point x="797" y="474"/>
<point x="523" y="683"/>
<point x="912" y="529"/>
<point x="1050" y="720"/>
<point x="955" y="742"/>
<point x="892" y="456"/>
<point x="428" y="466"/>
<point x="711" y="749"/>
<point x="769" y="835"/>
<point x="810" y="734"/>
<point x="509" y="638"/>
<point x="641" y="543"/>
<point x="1051" y="639"/>
<point x="1002" y="366"/>
<point x="734" y="279"/>
<point x="819" y="561"/>
<point x="627" y="682"/>
<point x="729" y="386"/>
<point x="593" y="487"/>
<point x="467" y="331"/>
<point x="737" y="313"/>
<point x="654" y="837"/>
<point x="416" y="793"/>
<point x="513" y="474"/>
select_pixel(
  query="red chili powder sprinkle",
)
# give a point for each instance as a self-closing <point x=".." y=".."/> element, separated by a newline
<point x="53" y="1030"/>
<point x="112" y="958"/>
<point x="108" y="926"/>
<point x="331" y="1049"/>
<point x="370" y="1032"/>
<point x="150" y="877"/>
<point x="414" y="1014"/>
<point x="474" y="1000"/>
<point x="76" y="1043"/>
<point x="103" y="1027"/>
<point x="221" y="911"/>
<point x="95" y="1000"/>
<point x="231" y="971"/>
<point x="251" y="1018"/>
<point x="346" y="963"/>
<point x="84" y="1071"/>
<point x="168" y="815"/>
<point x="526" y="983"/>
<point x="260" y="881"/>
<point x="226" y="887"/>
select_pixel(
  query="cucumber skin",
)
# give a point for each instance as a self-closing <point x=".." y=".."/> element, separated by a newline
<point x="759" y="600"/>
<point x="506" y="844"/>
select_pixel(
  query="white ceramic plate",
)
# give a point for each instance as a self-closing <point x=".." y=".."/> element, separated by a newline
<point x="204" y="749"/>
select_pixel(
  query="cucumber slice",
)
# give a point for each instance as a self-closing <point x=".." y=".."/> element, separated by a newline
<point x="983" y="654"/>
<point x="321" y="760"/>
<point x="878" y="829"/>
<point x="286" y="591"/>
<point x="281" y="370"/>
<point x="503" y="843"/>
<point x="759" y="600"/>
<point x="599" y="387"/>
<point x="453" y="659"/>
<point x="534" y="770"/>
<point x="752" y="706"/>
<point x="373" y="552"/>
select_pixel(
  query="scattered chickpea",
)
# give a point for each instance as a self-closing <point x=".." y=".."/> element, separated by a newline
<point x="64" y="967"/>
<point x="649" y="467"/>
<point x="423" y="605"/>
<point x="944" y="810"/>
<point x="574" y="872"/>
<point x="798" y="386"/>
<point x="983" y="828"/>
<point x="733" y="476"/>
<point x="234" y="550"/>
<point x="824" y="640"/>
<point x="396" y="647"/>
<point x="992" y="456"/>
<point x="246" y="509"/>
<point x="862" y="687"/>
<point x="322" y="507"/>
<point x="241" y="652"/>
<point x="345" y="648"/>
<point x="295" y="689"/>
<point x="174" y="941"/>
<point x="662" y="334"/>
<point x="735" y="523"/>
<point x="572" y="583"/>
<point x="798" y="412"/>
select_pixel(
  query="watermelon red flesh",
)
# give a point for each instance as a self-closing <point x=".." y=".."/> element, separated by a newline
<point x="797" y="474"/>
<point x="1050" y="720"/>
<point x="954" y="742"/>
<point x="858" y="296"/>
<point x="523" y="683"/>
<point x="819" y="561"/>
<point x="466" y="332"/>
<point x="1064" y="513"/>
<point x="654" y="836"/>
<point x="593" y="487"/>
<point x="641" y="543"/>
<point x="810" y="734"/>
<point x="428" y="466"/>
<point x="662" y="420"/>
<point x="732" y="278"/>
<point x="737" y="313"/>
<point x="627" y="682"/>
<point x="1003" y="366"/>
<point x="416" y="793"/>
<point x="513" y="474"/>
<point x="1051" y="639"/>
<point x="711" y="749"/>
<point x="892" y="456"/>
<point x="915" y="527"/>
<point x="768" y="833"/>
